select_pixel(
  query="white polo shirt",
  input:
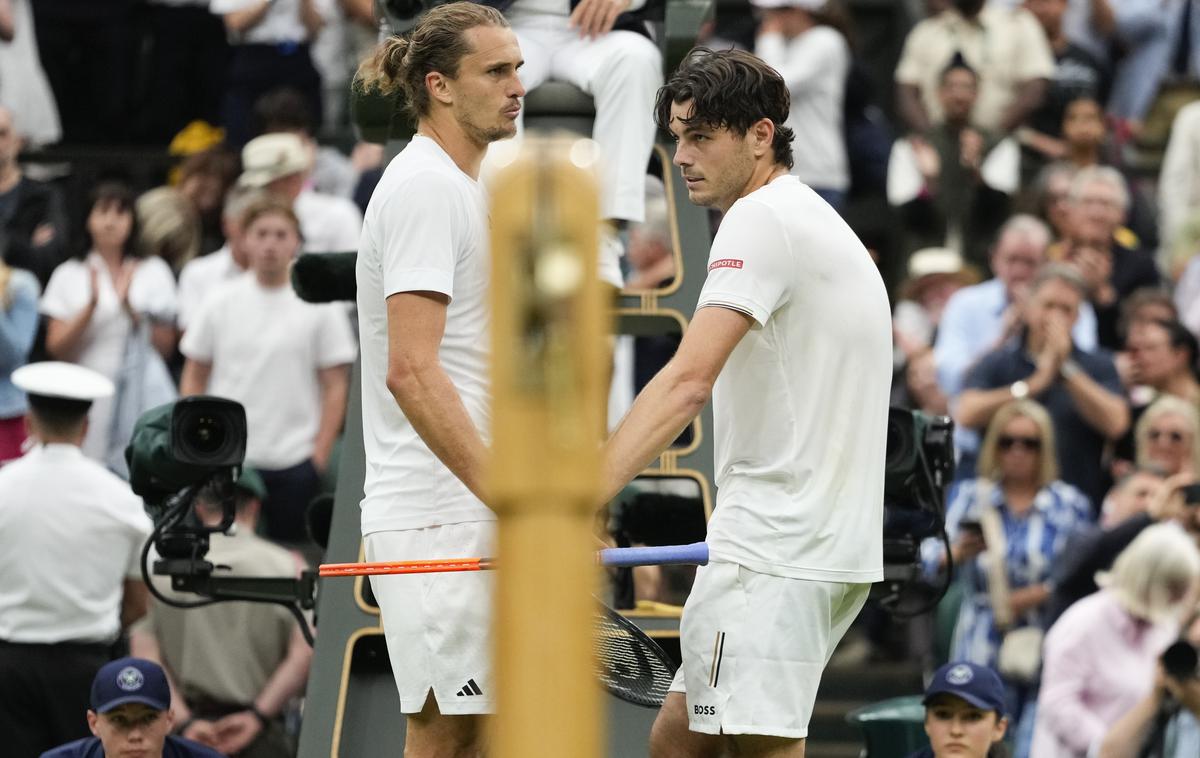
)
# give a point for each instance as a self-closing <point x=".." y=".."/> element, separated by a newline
<point x="425" y="230"/>
<point x="800" y="410"/>
<point x="200" y="276"/>
<point x="266" y="347"/>
<point x="71" y="532"/>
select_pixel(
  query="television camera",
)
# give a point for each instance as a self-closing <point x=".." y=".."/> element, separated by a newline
<point x="918" y="468"/>
<point x="178" y="451"/>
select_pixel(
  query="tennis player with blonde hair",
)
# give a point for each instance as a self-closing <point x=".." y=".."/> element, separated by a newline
<point x="423" y="280"/>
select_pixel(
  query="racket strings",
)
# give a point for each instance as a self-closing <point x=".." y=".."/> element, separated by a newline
<point x="629" y="664"/>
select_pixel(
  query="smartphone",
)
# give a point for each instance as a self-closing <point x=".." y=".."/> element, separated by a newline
<point x="1191" y="494"/>
<point x="971" y="527"/>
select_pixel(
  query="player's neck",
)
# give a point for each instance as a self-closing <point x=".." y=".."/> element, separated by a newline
<point x="764" y="173"/>
<point x="466" y="153"/>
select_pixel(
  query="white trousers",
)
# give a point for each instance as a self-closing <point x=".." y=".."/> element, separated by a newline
<point x="622" y="71"/>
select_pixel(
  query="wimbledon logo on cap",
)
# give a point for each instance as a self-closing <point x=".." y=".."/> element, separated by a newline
<point x="960" y="675"/>
<point x="130" y="679"/>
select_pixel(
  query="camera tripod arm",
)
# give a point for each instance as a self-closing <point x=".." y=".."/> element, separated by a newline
<point x="295" y="594"/>
<point x="259" y="589"/>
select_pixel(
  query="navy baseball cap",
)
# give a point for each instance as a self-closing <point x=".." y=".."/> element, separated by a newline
<point x="978" y="685"/>
<point x="130" y="680"/>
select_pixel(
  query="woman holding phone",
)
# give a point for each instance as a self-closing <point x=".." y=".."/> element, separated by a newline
<point x="1032" y="513"/>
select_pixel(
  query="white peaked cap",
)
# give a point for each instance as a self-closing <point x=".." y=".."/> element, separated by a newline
<point x="62" y="380"/>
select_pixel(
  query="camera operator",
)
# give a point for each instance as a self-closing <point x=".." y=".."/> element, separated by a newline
<point x="1166" y="724"/>
<point x="234" y="666"/>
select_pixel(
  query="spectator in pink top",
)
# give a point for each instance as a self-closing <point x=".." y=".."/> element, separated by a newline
<point x="1099" y="657"/>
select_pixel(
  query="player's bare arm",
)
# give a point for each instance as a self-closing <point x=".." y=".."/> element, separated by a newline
<point x="673" y="397"/>
<point x="424" y="392"/>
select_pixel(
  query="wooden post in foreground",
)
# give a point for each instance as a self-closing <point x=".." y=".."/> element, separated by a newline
<point x="547" y="401"/>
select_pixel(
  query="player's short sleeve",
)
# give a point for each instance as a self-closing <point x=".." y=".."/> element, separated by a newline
<point x="751" y="267"/>
<point x="419" y="234"/>
<point x="335" y="341"/>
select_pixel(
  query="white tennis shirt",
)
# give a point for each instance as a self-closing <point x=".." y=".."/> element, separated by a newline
<point x="425" y="230"/>
<point x="800" y="409"/>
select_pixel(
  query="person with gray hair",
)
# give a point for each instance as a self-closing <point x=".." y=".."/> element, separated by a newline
<point x="1105" y="252"/>
<point x="983" y="317"/>
<point x="1080" y="389"/>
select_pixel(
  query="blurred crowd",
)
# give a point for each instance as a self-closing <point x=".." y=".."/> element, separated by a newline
<point x="1040" y="184"/>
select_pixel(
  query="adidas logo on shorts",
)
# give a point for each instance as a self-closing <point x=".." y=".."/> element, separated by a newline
<point x="469" y="689"/>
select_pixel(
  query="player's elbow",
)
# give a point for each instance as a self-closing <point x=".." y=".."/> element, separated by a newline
<point x="406" y="379"/>
<point x="402" y="383"/>
<point x="692" y="393"/>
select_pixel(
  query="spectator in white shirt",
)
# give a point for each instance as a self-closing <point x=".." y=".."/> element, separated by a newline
<point x="803" y="41"/>
<point x="113" y="311"/>
<point x="286" y="361"/>
<point x="201" y="276"/>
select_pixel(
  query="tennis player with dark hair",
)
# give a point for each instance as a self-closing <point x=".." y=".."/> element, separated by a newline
<point x="792" y="341"/>
<point x="423" y="276"/>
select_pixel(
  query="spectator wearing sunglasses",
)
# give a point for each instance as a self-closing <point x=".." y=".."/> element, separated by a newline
<point x="1166" y="436"/>
<point x="1019" y="491"/>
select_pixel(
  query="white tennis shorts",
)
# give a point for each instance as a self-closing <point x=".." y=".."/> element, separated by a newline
<point x="754" y="646"/>
<point x="438" y="626"/>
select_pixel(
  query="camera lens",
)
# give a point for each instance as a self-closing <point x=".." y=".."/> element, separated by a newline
<point x="207" y="436"/>
<point x="208" y="432"/>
